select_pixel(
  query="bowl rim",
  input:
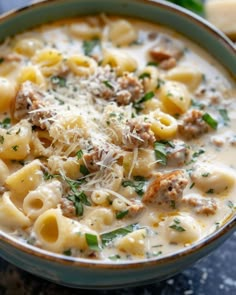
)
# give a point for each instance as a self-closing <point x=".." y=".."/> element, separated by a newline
<point x="169" y="258"/>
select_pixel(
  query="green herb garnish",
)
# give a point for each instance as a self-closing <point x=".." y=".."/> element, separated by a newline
<point x="1" y="139"/>
<point x="121" y="214"/>
<point x="89" y="46"/>
<point x="1" y="60"/>
<point x="67" y="252"/>
<point x="120" y="232"/>
<point x="210" y="191"/>
<point x="57" y="80"/>
<point x="84" y="170"/>
<point x="210" y="121"/>
<point x="224" y="115"/>
<point x="144" y="75"/>
<point x="15" y="148"/>
<point x="108" y="84"/>
<point x="176" y="226"/>
<point x="114" y="257"/>
<point x="146" y="97"/>
<point x="92" y="241"/>
<point x="230" y="204"/>
<point x="160" y="152"/>
<point x="5" y="123"/>
<point x="153" y="63"/>
<point x="137" y="184"/>
<point x="79" y="154"/>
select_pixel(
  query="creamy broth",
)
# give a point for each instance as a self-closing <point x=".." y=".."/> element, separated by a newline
<point x="117" y="139"/>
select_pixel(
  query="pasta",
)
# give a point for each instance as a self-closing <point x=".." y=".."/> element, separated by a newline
<point x="116" y="143"/>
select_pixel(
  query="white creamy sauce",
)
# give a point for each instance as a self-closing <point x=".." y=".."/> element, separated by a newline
<point x="88" y="172"/>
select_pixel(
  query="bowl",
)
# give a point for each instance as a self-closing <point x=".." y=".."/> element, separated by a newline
<point x="89" y="274"/>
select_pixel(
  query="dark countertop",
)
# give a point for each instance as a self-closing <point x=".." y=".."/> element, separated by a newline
<point x="213" y="275"/>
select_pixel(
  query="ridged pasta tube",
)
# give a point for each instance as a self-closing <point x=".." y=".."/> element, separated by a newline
<point x="58" y="233"/>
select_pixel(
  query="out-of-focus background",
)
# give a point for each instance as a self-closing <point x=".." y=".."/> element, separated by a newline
<point x="213" y="275"/>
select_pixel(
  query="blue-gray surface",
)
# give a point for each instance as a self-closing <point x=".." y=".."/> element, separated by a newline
<point x="213" y="275"/>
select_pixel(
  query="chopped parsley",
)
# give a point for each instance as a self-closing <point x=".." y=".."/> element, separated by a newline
<point x="79" y="198"/>
<point x="108" y="84"/>
<point x="153" y="63"/>
<point x="48" y="176"/>
<point x="196" y="154"/>
<point x="15" y="148"/>
<point x="89" y="45"/>
<point x="176" y="225"/>
<point x="224" y="115"/>
<point x="192" y="185"/>
<point x="138" y="184"/>
<point x="79" y="154"/>
<point x="5" y="123"/>
<point x="1" y="60"/>
<point x="67" y="252"/>
<point x="84" y="170"/>
<point x="114" y="257"/>
<point x="230" y="204"/>
<point x="120" y="232"/>
<point x="206" y="174"/>
<point x="144" y="75"/>
<point x="121" y="214"/>
<point x="1" y="139"/>
<point x="58" y="80"/>
<point x="160" y="82"/>
<point x="160" y="152"/>
<point x="146" y="97"/>
<point x="92" y="241"/>
<point x="197" y="104"/>
<point x="210" y="121"/>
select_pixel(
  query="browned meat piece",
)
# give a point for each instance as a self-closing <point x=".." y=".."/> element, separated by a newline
<point x="29" y="98"/>
<point x="177" y="153"/>
<point x="135" y="209"/>
<point x="67" y="207"/>
<point x="166" y="188"/>
<point x="192" y="125"/>
<point x="202" y="205"/>
<point x="123" y="90"/>
<point x="137" y="134"/>
<point x="98" y="159"/>
<point x="168" y="63"/>
<point x="130" y="89"/>
<point x="167" y="51"/>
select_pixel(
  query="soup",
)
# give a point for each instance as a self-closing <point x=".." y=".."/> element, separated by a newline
<point x="117" y="139"/>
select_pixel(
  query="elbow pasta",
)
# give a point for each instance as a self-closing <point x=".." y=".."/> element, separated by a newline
<point x="163" y="125"/>
<point x="12" y="217"/>
<point x="44" y="197"/>
<point x="7" y="91"/>
<point x="122" y="33"/>
<point x="25" y="179"/>
<point x="189" y="76"/>
<point x="49" y="60"/>
<point x="114" y="140"/>
<point x="119" y="60"/>
<point x="15" y="143"/>
<point x="58" y="233"/>
<point x="28" y="46"/>
<point x="81" y="65"/>
<point x="175" y="97"/>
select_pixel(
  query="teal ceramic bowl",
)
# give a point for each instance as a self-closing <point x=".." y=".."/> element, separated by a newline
<point x="84" y="273"/>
